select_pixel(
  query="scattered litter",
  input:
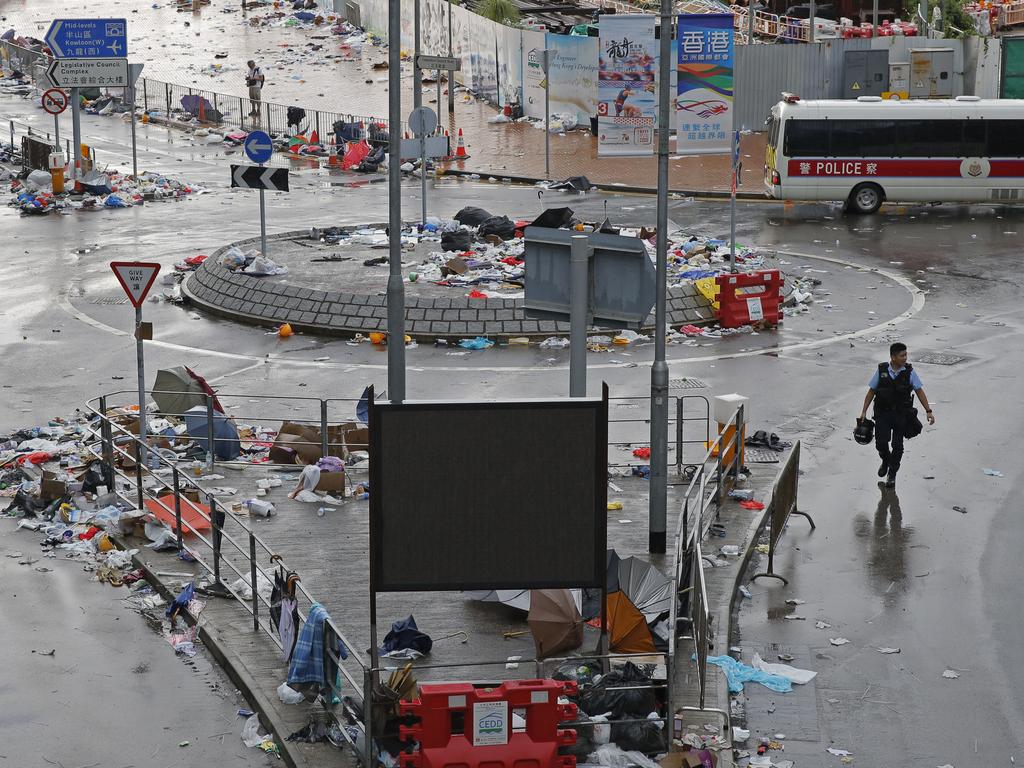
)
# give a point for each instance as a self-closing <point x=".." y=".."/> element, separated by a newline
<point x="839" y="752"/>
<point x="992" y="472"/>
<point x="951" y="674"/>
<point x="838" y="641"/>
<point x="745" y="592"/>
<point x="961" y="510"/>
<point x="795" y="601"/>
<point x="822" y="625"/>
<point x="793" y="674"/>
<point x="888" y="650"/>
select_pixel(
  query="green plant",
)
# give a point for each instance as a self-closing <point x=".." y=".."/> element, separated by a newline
<point x="501" y="11"/>
<point x="955" y="16"/>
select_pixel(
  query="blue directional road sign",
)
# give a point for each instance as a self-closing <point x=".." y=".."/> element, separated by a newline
<point x="258" y="146"/>
<point x="88" y="38"/>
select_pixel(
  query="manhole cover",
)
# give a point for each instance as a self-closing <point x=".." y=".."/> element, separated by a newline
<point x="938" y="358"/>
<point x="686" y="383"/>
<point x="760" y="456"/>
<point x="111" y="300"/>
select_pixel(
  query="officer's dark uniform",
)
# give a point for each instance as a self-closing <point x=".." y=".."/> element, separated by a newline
<point x="894" y="397"/>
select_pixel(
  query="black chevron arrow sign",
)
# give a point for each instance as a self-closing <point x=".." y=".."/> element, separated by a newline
<point x="257" y="177"/>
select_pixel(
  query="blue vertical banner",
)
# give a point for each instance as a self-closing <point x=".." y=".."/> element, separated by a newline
<point x="704" y="73"/>
<point x="626" y="85"/>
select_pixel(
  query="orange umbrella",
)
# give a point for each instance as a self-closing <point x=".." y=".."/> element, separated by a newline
<point x="192" y="514"/>
<point x="555" y="621"/>
<point x="627" y="627"/>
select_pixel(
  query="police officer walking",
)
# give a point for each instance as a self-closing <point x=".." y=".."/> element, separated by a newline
<point x="893" y="387"/>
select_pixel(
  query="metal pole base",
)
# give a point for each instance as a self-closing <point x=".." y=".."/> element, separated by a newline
<point x="804" y="514"/>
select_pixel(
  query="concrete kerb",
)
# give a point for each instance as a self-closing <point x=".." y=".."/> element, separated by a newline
<point x="604" y="187"/>
<point x="699" y="313"/>
<point x="227" y="661"/>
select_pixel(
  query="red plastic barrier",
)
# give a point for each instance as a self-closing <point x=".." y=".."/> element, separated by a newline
<point x="460" y="725"/>
<point x="759" y="302"/>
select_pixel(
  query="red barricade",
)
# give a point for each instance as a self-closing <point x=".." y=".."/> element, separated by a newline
<point x="759" y="301"/>
<point x="470" y="727"/>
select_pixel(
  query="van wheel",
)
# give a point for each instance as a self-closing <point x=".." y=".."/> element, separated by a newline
<point x="865" y="198"/>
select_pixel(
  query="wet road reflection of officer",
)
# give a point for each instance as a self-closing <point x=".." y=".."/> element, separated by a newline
<point x="893" y="387"/>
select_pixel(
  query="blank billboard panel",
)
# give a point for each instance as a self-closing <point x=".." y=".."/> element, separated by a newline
<point x="496" y="495"/>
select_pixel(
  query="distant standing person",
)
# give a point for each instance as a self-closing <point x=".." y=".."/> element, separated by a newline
<point x="254" y="80"/>
<point x="893" y="387"/>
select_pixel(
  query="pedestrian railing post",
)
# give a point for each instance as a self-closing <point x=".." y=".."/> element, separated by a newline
<point x="177" y="507"/>
<point x="140" y="457"/>
<point x="738" y="453"/>
<point x="167" y="99"/>
<point x="368" y="718"/>
<point x="252" y="576"/>
<point x="211" y="452"/>
<point x="241" y="112"/>
<point x="323" y="427"/>
<point x="145" y="95"/>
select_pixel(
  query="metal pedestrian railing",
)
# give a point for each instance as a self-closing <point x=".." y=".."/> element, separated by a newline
<point x="213" y="108"/>
<point x="221" y="542"/>
<point x="782" y="505"/>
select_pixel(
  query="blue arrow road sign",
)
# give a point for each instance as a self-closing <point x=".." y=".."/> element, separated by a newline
<point x="258" y="146"/>
<point x="88" y="38"/>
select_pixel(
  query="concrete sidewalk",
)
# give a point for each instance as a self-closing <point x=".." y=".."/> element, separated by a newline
<point x="331" y="551"/>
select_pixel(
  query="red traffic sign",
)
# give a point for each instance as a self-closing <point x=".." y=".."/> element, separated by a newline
<point x="136" y="277"/>
<point x="55" y="101"/>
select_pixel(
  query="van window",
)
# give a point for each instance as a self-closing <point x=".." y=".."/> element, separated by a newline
<point x="806" y="138"/>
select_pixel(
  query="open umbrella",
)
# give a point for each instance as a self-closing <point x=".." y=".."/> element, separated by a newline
<point x="520" y="598"/>
<point x="515" y="598"/>
<point x="647" y="588"/>
<point x="178" y="389"/>
<point x="555" y="621"/>
<point x="627" y="627"/>
<point x="225" y="437"/>
<point x="553" y="218"/>
<point x="194" y="516"/>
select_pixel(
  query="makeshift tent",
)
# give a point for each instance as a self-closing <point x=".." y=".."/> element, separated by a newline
<point x="555" y="622"/>
<point x="627" y="627"/>
<point x="178" y="389"/>
<point x="194" y="516"/>
<point x="225" y="437"/>
<point x="198" y="106"/>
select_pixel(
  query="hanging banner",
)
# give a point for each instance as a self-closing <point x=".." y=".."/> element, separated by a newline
<point x="626" y="95"/>
<point x="573" y="76"/>
<point x="704" y="101"/>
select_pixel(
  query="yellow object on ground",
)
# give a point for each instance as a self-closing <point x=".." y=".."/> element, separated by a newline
<point x="709" y="289"/>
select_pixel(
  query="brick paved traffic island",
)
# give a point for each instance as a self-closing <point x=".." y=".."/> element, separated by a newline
<point x="329" y="289"/>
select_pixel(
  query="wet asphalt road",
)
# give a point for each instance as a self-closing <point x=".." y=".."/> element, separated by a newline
<point x="940" y="585"/>
<point x="113" y="692"/>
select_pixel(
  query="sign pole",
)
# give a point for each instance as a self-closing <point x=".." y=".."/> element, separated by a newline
<point x="263" y="223"/>
<point x="451" y="73"/>
<point x="579" y="298"/>
<point x="76" y="131"/>
<point x="547" y="114"/>
<point x="396" y="288"/>
<point x="417" y="73"/>
<point x="732" y="200"/>
<point x="56" y="132"/>
<point x="140" y="362"/>
<point x="659" y="370"/>
<point x="423" y="178"/>
<point x="135" y="157"/>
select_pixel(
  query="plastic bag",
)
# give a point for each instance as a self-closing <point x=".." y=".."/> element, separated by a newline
<point x="469" y="216"/>
<point x="614" y="757"/>
<point x="251" y="732"/>
<point x="645" y="736"/>
<point x="289" y="695"/>
<point x="619" y="693"/>
<point x="456" y="241"/>
<point x="585" y="743"/>
<point x="501" y="226"/>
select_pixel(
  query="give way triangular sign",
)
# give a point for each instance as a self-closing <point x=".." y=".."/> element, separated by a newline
<point x="135" y="277"/>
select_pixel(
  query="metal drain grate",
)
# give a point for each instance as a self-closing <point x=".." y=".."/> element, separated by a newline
<point x="110" y="300"/>
<point x="938" y="358"/>
<point x="761" y="456"/>
<point x="686" y="383"/>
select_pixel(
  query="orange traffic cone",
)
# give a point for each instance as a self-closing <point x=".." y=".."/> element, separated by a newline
<point x="460" y="150"/>
<point x="314" y="137"/>
<point x="334" y="160"/>
<point x="202" y="110"/>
